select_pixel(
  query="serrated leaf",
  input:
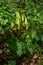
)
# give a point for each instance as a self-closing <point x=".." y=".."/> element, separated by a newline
<point x="19" y="49"/>
<point x="11" y="62"/>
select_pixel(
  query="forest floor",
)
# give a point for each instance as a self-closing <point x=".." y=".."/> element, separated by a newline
<point x="35" y="60"/>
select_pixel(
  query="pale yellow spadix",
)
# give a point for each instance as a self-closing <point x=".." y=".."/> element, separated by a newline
<point x="23" y="17"/>
<point x="12" y="25"/>
<point x="17" y="15"/>
<point x="26" y="23"/>
<point x="18" y="19"/>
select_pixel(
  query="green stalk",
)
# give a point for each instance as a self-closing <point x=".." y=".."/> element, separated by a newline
<point x="40" y="60"/>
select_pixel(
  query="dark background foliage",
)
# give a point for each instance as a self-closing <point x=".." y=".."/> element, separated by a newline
<point x="21" y="29"/>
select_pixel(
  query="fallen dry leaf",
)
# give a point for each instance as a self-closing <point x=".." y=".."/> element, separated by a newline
<point x="35" y="56"/>
<point x="0" y="51"/>
<point x="2" y="32"/>
<point x="31" y="63"/>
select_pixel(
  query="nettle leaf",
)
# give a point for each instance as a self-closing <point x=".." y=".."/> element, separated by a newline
<point x="42" y="38"/>
<point x="23" y="48"/>
<point x="36" y="46"/>
<point x="5" y="22"/>
<point x="29" y="47"/>
<point x="37" y="38"/>
<point x="0" y="28"/>
<point x="16" y="0"/>
<point x="10" y="0"/>
<point x="28" y="38"/>
<point x="11" y="62"/>
<point x="1" y="0"/>
<point x="33" y="34"/>
<point x="19" y="49"/>
<point x="40" y="19"/>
